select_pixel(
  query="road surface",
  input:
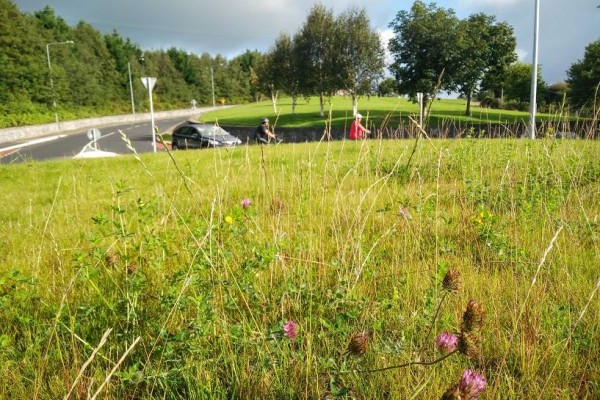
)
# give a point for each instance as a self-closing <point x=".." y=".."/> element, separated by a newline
<point x="78" y="144"/>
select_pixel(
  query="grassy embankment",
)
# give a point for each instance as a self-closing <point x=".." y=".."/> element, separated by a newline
<point x="150" y="280"/>
<point x="390" y="113"/>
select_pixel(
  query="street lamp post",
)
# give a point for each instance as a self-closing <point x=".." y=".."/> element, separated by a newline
<point x="131" y="88"/>
<point x="50" y="71"/>
<point x="212" y="83"/>
<point x="534" y="72"/>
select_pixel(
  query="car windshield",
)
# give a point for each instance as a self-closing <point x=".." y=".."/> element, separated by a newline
<point x="212" y="131"/>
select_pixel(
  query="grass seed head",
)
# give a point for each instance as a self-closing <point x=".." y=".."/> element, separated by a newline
<point x="358" y="344"/>
<point x="111" y="259"/>
<point x="473" y="316"/>
<point x="451" y="281"/>
<point x="452" y="393"/>
<point x="277" y="205"/>
<point x="469" y="344"/>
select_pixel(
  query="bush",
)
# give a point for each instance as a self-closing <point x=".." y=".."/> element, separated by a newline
<point x="491" y="102"/>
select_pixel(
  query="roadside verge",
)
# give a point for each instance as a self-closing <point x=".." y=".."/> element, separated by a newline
<point x="36" y="131"/>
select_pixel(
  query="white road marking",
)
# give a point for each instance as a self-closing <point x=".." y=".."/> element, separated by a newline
<point x="31" y="143"/>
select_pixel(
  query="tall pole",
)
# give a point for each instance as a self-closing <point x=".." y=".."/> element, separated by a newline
<point x="152" y="119"/>
<point x="50" y="71"/>
<point x="212" y="83"/>
<point x="534" y="72"/>
<point x="131" y="88"/>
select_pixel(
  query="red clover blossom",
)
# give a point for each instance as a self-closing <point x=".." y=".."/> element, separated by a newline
<point x="290" y="330"/>
<point x="446" y="342"/>
<point x="471" y="385"/>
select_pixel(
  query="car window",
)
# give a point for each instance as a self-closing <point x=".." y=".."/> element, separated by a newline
<point x="212" y="131"/>
<point x="184" y="131"/>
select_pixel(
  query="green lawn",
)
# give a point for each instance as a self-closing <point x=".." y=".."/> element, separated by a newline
<point x="377" y="111"/>
<point x="257" y="272"/>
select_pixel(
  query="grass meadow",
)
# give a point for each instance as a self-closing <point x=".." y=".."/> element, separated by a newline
<point x="385" y="113"/>
<point x="304" y="271"/>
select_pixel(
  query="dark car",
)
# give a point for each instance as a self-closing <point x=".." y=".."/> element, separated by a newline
<point x="198" y="135"/>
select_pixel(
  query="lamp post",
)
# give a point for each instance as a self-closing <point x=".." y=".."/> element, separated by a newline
<point x="50" y="70"/>
<point x="131" y="88"/>
<point x="534" y="71"/>
<point x="212" y="83"/>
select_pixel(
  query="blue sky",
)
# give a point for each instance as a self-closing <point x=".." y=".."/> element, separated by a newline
<point x="229" y="27"/>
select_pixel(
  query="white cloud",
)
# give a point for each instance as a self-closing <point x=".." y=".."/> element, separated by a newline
<point x="229" y="27"/>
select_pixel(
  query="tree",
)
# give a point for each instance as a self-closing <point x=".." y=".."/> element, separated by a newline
<point x="24" y="75"/>
<point x="316" y="64"/>
<point x="386" y="87"/>
<point x="182" y="61"/>
<point x="359" y="53"/>
<point x="502" y="45"/>
<point x="54" y="25"/>
<point x="170" y="87"/>
<point x="486" y="47"/>
<point x="90" y="70"/>
<point x="280" y="70"/>
<point x="247" y="64"/>
<point x="518" y="83"/>
<point x="127" y="56"/>
<point x="556" y="94"/>
<point x="424" y="50"/>
<point x="584" y="77"/>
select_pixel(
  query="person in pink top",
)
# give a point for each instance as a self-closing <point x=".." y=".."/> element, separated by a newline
<point x="356" y="128"/>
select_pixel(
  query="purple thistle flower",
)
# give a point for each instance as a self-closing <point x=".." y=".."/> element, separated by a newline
<point x="471" y="385"/>
<point x="246" y="203"/>
<point x="290" y="330"/>
<point x="446" y="342"/>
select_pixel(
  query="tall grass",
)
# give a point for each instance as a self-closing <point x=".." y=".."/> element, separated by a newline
<point x="120" y="283"/>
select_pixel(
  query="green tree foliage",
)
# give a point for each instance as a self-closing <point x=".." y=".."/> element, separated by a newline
<point x="317" y="65"/>
<point x="518" y="84"/>
<point x="486" y="48"/>
<point x="124" y="52"/>
<point x="92" y="75"/>
<point x="502" y="44"/>
<point x="279" y="70"/>
<point x="243" y="69"/>
<point x="434" y="50"/>
<point x="184" y="63"/>
<point x="556" y="95"/>
<point x="24" y="76"/>
<point x="93" y="72"/>
<point x="359" y="53"/>
<point x="387" y="87"/>
<point x="584" y="77"/>
<point x="171" y="88"/>
<point x="225" y="87"/>
<point x="425" y="49"/>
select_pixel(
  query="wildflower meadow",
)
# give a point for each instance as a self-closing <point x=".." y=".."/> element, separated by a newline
<point x="379" y="269"/>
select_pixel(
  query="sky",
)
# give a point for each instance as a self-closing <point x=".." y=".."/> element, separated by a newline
<point x="230" y="27"/>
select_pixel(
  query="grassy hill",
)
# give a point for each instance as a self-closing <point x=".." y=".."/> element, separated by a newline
<point x="377" y="112"/>
<point x="317" y="270"/>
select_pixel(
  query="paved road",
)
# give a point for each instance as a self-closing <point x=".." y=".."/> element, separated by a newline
<point x="77" y="143"/>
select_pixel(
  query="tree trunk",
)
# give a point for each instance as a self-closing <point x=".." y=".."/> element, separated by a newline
<point x="274" y="100"/>
<point x="322" y="104"/>
<point x="354" y="104"/>
<point x="468" y="112"/>
<point x="294" y="101"/>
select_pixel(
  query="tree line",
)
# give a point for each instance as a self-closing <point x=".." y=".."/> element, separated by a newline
<point x="49" y="66"/>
